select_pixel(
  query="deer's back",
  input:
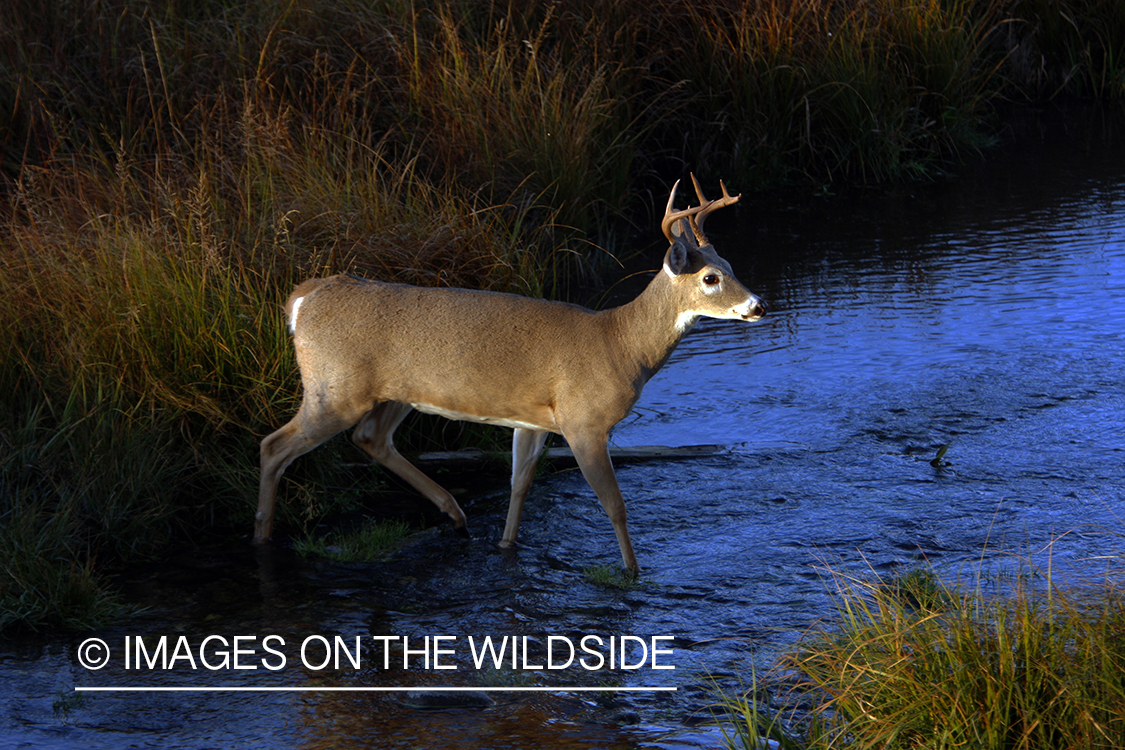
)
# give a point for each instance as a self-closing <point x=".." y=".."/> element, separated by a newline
<point x="472" y="353"/>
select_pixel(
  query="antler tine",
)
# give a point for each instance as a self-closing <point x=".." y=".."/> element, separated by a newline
<point x="709" y="206"/>
<point x="671" y="217"/>
<point x="699" y="191"/>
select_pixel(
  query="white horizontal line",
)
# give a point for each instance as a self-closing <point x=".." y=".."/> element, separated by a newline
<point x="306" y="689"/>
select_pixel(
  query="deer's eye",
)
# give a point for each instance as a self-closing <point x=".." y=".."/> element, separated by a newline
<point x="711" y="279"/>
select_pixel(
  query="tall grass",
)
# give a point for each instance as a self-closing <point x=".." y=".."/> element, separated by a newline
<point x="169" y="171"/>
<point x="512" y="112"/>
<point x="1035" y="668"/>
<point x="1075" y="47"/>
<point x="69" y="494"/>
<point x="836" y="89"/>
<point x="140" y="303"/>
<point x="925" y="663"/>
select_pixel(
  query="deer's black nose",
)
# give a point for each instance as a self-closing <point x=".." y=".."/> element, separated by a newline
<point x="756" y="310"/>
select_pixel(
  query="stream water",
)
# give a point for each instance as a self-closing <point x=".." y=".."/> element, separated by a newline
<point x="982" y="312"/>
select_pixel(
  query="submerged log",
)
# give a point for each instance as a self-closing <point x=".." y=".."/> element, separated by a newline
<point x="561" y="457"/>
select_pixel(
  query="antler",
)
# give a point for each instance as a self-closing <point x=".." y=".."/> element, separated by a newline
<point x="695" y="216"/>
<point x="709" y="206"/>
<point x="671" y="217"/>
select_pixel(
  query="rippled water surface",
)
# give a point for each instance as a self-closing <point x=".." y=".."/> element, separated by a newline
<point x="983" y="313"/>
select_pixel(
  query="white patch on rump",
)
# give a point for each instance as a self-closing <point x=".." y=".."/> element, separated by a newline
<point x="293" y="314"/>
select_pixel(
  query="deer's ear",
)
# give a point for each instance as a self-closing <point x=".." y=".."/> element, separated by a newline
<point x="676" y="259"/>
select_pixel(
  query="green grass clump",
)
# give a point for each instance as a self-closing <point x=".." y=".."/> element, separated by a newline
<point x="915" y="662"/>
<point x="1029" y="669"/>
<point x="611" y="576"/>
<point x="748" y="721"/>
<point x="371" y="541"/>
<point x="69" y="496"/>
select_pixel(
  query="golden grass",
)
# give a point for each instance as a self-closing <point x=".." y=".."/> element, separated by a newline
<point x="916" y="662"/>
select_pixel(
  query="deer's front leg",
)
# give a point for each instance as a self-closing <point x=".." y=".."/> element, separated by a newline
<point x="592" y="454"/>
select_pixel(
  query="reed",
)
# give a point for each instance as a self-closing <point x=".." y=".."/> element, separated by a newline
<point x="141" y="302"/>
<point x="748" y="720"/>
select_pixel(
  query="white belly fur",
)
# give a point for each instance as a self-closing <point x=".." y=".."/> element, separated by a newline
<point x="458" y="416"/>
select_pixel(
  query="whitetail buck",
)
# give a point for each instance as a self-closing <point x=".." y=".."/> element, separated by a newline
<point x="369" y="352"/>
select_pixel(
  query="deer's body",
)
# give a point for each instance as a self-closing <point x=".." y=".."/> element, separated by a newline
<point x="492" y="371"/>
<point x="369" y="352"/>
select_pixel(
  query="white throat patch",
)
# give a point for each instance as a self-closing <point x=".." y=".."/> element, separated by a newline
<point x="685" y="320"/>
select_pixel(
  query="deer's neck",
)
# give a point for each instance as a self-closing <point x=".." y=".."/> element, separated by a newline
<point x="649" y="328"/>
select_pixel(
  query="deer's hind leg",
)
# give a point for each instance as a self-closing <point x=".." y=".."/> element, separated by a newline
<point x="375" y="435"/>
<point x="313" y="424"/>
